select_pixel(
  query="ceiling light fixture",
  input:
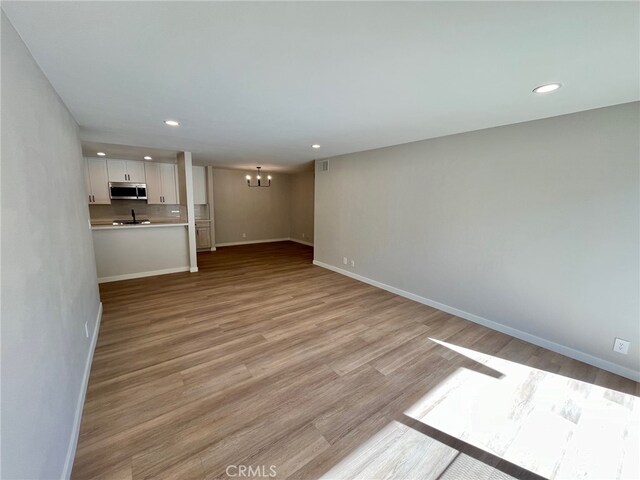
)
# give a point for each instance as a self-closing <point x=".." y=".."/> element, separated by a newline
<point x="258" y="179"/>
<point x="547" y="88"/>
<point x="315" y="145"/>
<point x="172" y="123"/>
<point x="101" y="154"/>
<point x="148" y="158"/>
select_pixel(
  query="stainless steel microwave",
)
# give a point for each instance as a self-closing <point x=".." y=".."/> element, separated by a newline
<point x="127" y="191"/>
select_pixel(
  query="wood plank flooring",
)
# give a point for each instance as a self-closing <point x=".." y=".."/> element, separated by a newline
<point x="262" y="359"/>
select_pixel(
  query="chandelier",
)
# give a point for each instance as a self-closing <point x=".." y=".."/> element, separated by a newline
<point x="258" y="180"/>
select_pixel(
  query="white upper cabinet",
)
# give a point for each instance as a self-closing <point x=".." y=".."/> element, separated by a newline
<point x="97" y="181"/>
<point x="87" y="179"/>
<point x="199" y="185"/>
<point x="126" y="171"/>
<point x="168" y="176"/>
<point x="161" y="183"/>
<point x="135" y="171"/>
<point x="117" y="170"/>
<point x="154" y="183"/>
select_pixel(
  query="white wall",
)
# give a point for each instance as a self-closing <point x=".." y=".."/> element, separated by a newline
<point x="301" y="213"/>
<point x="260" y="213"/>
<point x="534" y="226"/>
<point x="49" y="287"/>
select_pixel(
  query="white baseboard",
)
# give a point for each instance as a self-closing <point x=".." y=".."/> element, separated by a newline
<point x="527" y="337"/>
<point x="193" y="269"/>
<point x="129" y="276"/>
<point x="308" y="244"/>
<point x="75" y="432"/>
<point x="270" y="240"/>
<point x="250" y="242"/>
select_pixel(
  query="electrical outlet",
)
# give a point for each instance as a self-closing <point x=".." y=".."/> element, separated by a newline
<point x="353" y="263"/>
<point x="244" y="235"/>
<point x="345" y="261"/>
<point x="303" y="235"/>
<point x="86" y="329"/>
<point x="621" y="346"/>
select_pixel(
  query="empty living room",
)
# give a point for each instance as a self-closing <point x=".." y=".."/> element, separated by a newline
<point x="320" y="240"/>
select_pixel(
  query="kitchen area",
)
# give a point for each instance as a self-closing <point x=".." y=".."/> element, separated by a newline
<point x="149" y="210"/>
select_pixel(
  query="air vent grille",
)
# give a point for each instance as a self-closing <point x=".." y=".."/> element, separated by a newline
<point x="322" y="165"/>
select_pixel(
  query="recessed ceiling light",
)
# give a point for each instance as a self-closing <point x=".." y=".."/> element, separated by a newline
<point x="547" y="88"/>
<point x="148" y="158"/>
<point x="315" y="145"/>
<point x="172" y="123"/>
<point x="101" y="154"/>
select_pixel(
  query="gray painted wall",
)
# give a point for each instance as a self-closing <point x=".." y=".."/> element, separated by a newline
<point x="534" y="225"/>
<point x="302" y="194"/>
<point x="260" y="213"/>
<point x="49" y="287"/>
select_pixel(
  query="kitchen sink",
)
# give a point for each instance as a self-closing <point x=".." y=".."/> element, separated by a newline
<point x="131" y="222"/>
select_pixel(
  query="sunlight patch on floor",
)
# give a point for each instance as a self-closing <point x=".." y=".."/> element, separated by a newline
<point x="550" y="424"/>
<point x="396" y="451"/>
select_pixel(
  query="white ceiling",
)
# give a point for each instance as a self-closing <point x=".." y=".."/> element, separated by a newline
<point x="258" y="83"/>
<point x="127" y="152"/>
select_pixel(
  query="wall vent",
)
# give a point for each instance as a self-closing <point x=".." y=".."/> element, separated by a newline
<point x="322" y="165"/>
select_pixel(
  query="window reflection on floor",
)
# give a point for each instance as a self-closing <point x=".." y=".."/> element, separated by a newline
<point x="396" y="451"/>
<point x="555" y="426"/>
<point x="500" y="413"/>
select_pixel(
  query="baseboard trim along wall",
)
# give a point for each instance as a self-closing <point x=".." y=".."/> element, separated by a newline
<point x="250" y="242"/>
<point x="308" y="244"/>
<point x="75" y="431"/>
<point x="152" y="273"/>
<point x="527" y="337"/>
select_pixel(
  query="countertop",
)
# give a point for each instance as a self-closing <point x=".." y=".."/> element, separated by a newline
<point x="158" y="224"/>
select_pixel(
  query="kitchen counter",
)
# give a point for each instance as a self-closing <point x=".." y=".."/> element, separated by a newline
<point x="132" y="251"/>
<point x="110" y="226"/>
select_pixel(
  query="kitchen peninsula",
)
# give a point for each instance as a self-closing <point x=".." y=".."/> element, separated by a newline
<point x="124" y="251"/>
<point x="156" y="244"/>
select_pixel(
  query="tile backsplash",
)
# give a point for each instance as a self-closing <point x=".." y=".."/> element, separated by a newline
<point x="121" y="210"/>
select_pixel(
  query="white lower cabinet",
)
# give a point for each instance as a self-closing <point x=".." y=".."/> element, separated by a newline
<point x="203" y="235"/>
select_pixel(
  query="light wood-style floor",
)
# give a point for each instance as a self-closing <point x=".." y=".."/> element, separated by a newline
<point x="262" y="359"/>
